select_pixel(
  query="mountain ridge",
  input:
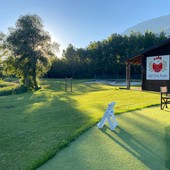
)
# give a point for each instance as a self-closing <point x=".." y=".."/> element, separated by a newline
<point x="155" y="25"/>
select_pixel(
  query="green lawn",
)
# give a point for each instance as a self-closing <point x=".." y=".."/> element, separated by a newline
<point x="35" y="126"/>
<point x="140" y="142"/>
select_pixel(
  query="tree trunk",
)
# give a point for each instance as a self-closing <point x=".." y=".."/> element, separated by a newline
<point x="35" y="82"/>
<point x="35" y="76"/>
<point x="26" y="82"/>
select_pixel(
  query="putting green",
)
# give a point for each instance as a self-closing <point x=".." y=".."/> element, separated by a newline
<point x="141" y="141"/>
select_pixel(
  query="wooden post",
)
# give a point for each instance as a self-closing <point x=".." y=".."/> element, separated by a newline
<point x="66" y="84"/>
<point x="71" y="84"/>
<point x="128" y="76"/>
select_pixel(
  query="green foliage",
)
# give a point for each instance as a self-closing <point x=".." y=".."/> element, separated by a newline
<point x="104" y="58"/>
<point x="3" y="51"/>
<point x="36" y="125"/>
<point x="5" y="83"/>
<point x="30" y="53"/>
<point x="31" y="49"/>
<point x="9" y="88"/>
<point x="71" y="58"/>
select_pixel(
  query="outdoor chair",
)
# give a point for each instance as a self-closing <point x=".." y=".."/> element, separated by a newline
<point x="165" y="97"/>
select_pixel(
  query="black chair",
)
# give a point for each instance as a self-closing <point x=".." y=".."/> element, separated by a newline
<point x="165" y="97"/>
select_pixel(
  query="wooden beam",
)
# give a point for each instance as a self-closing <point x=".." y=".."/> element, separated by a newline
<point x="128" y="76"/>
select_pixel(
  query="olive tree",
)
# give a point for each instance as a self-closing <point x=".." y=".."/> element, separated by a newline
<point x="31" y="48"/>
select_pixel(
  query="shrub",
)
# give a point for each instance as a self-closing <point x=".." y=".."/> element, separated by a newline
<point x="8" y="88"/>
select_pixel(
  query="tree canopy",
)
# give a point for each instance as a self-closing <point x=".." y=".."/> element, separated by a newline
<point x="31" y="49"/>
<point x="30" y="54"/>
<point x="104" y="59"/>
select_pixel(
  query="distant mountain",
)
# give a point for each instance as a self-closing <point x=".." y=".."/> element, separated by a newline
<point x="155" y="25"/>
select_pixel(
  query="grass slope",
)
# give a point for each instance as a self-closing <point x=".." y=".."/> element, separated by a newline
<point x="35" y="126"/>
<point x="139" y="142"/>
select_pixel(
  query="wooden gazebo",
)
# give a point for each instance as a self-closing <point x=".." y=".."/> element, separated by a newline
<point x="154" y="66"/>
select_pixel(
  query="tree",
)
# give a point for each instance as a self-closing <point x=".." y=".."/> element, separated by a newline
<point x="70" y="55"/>
<point x="3" y="51"/>
<point x="32" y="49"/>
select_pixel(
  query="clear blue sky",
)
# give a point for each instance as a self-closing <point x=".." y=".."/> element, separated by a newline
<point x="81" y="21"/>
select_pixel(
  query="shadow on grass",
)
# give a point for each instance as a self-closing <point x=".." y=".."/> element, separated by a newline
<point x="142" y="140"/>
<point x="133" y="146"/>
<point x="78" y="86"/>
<point x="66" y="121"/>
<point x="167" y="139"/>
<point x="42" y="123"/>
<point x="36" y="126"/>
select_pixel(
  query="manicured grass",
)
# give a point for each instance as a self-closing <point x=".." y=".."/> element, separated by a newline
<point x="167" y="139"/>
<point x="35" y="126"/>
<point x="140" y="142"/>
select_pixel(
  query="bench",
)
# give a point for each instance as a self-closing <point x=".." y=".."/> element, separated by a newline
<point x="165" y="97"/>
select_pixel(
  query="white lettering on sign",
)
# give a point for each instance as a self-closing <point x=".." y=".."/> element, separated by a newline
<point x="157" y="68"/>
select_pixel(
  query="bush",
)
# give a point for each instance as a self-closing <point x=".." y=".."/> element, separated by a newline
<point x="20" y="89"/>
<point x="8" y="88"/>
<point x="5" y="84"/>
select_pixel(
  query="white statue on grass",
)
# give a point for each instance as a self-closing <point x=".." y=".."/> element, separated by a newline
<point x="109" y="116"/>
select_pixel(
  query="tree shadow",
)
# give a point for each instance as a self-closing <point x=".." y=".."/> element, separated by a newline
<point x="134" y="146"/>
<point x="32" y="120"/>
<point x="42" y="116"/>
<point x="77" y="86"/>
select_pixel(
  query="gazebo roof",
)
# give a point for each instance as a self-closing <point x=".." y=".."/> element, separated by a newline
<point x="162" y="48"/>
